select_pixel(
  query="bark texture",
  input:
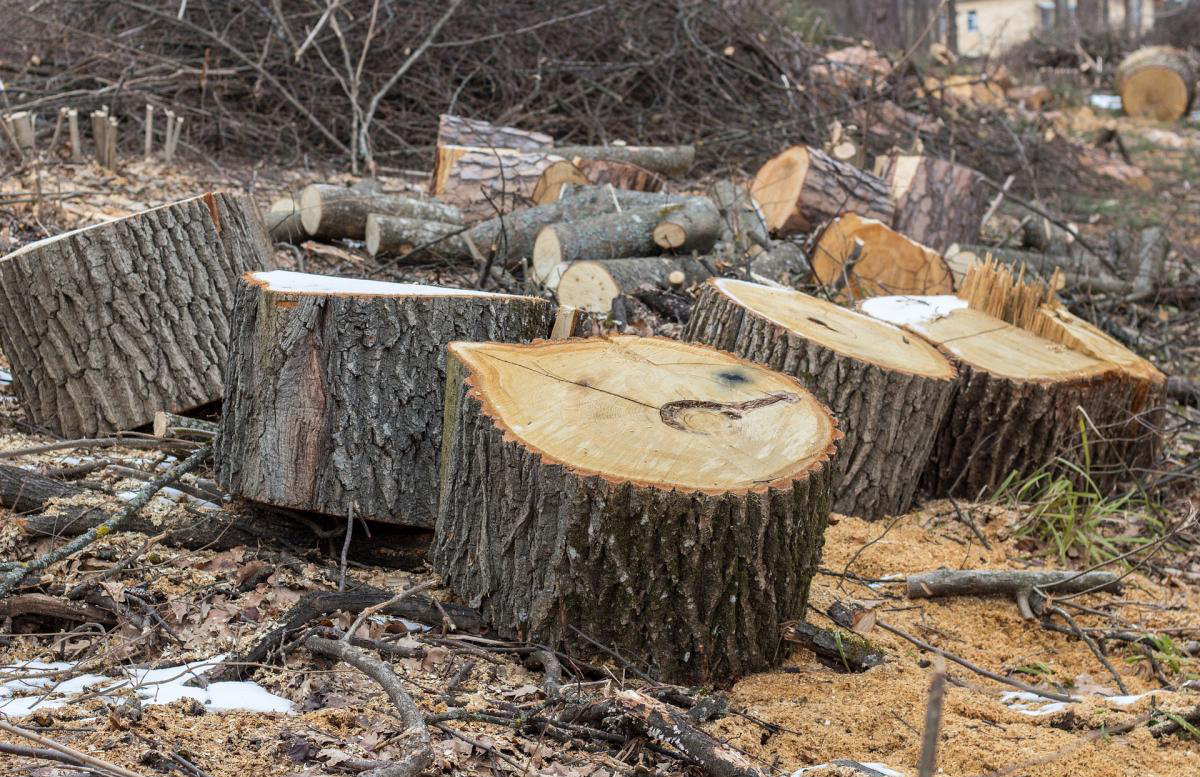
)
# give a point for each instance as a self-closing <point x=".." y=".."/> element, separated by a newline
<point x="595" y="172"/>
<point x="938" y="203"/>
<point x="982" y="582"/>
<point x="889" y="418"/>
<point x="107" y="325"/>
<point x="487" y="182"/>
<point x="803" y="187"/>
<point x="414" y="237"/>
<point x="284" y="223"/>
<point x="335" y="401"/>
<point x="697" y="584"/>
<point x="458" y="131"/>
<point x="670" y="161"/>
<point x="592" y="286"/>
<point x="692" y="226"/>
<point x="335" y="212"/>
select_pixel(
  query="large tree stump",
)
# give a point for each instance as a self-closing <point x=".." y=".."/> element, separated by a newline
<point x="487" y="182"/>
<point x="803" y="187"/>
<point x="938" y="203"/>
<point x="334" y="399"/>
<point x="1016" y="408"/>
<point x="862" y="257"/>
<point x="664" y="499"/>
<point x="457" y="131"/>
<point x="890" y="391"/>
<point x="592" y="286"/>
<point x="106" y="325"/>
<point x="1157" y="83"/>
<point x="334" y="212"/>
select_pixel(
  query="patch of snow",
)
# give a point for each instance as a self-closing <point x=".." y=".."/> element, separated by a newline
<point x="867" y="767"/>
<point x="307" y="283"/>
<point x="1105" y="102"/>
<point x="5" y="377"/>
<point x="153" y="686"/>
<point x="1125" y="701"/>
<point x="1031" y="704"/>
<point x="904" y="310"/>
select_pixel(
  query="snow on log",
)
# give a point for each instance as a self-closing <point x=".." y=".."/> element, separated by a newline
<point x="861" y="257"/>
<point x="592" y="286"/>
<point x="938" y="203"/>
<point x="889" y="390"/>
<point x="803" y="187"/>
<point x="106" y="325"/>
<point x="334" y="212"/>
<point x="1158" y="82"/>
<point x="602" y="486"/>
<point x="334" y="398"/>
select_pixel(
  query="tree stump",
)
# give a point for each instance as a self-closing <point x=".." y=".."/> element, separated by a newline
<point x="335" y="212"/>
<point x="889" y="390"/>
<point x="938" y="203"/>
<point x="592" y="286"/>
<point x="864" y="258"/>
<point x="1158" y="82"/>
<point x="804" y="187"/>
<point x="335" y="389"/>
<point x="664" y="499"/>
<point x="1016" y="408"/>
<point x="106" y="325"/>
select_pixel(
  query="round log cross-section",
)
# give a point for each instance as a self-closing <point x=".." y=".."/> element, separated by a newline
<point x="106" y="325"/>
<point x="665" y="499"/>
<point x="1157" y="82"/>
<point x="890" y="390"/>
<point x="335" y="387"/>
<point x="1019" y="396"/>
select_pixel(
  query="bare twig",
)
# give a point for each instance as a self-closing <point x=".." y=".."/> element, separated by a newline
<point x="80" y="757"/>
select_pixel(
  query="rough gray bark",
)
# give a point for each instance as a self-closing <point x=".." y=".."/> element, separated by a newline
<point x="671" y="161"/>
<point x="458" y="131"/>
<point x="697" y="584"/>
<point x="414" y="238"/>
<point x="486" y="182"/>
<point x="742" y="222"/>
<point x="334" y="212"/>
<point x="334" y="401"/>
<point x="889" y="418"/>
<point x="106" y="325"/>
<point x="982" y="582"/>
<point x="694" y="225"/>
<point x="592" y="286"/>
<point x="609" y="236"/>
<point x="784" y="263"/>
<point x="938" y="203"/>
<point x="283" y="222"/>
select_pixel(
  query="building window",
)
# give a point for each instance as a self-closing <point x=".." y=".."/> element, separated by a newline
<point x="972" y="21"/>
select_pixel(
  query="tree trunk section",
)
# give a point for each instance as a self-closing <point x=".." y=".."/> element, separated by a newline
<point x="611" y="236"/>
<point x="583" y="479"/>
<point x="889" y="391"/>
<point x="414" y="238"/>
<point x="457" y="131"/>
<point x="1016" y="408"/>
<point x="1157" y="83"/>
<point x="595" y="172"/>
<point x="860" y="258"/>
<point x="668" y="161"/>
<point x="106" y="325"/>
<point x="592" y="286"/>
<point x="335" y="389"/>
<point x="284" y="224"/>
<point x="937" y="202"/>
<point x="803" y="187"/>
<point x="488" y="182"/>
<point x="691" y="226"/>
<point x="336" y="212"/>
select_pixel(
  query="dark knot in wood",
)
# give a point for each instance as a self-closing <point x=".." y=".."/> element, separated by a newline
<point x="672" y="413"/>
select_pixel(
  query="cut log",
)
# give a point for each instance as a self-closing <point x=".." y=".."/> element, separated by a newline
<point x="804" y="187"/>
<point x="785" y="264"/>
<point x="1017" y="406"/>
<point x="457" y="131"/>
<point x="335" y="212"/>
<point x="863" y="258"/>
<point x="592" y="286"/>
<point x="742" y="223"/>
<point x="937" y="202"/>
<point x="984" y="582"/>
<point x="334" y="399"/>
<point x="664" y="499"/>
<point x="549" y="187"/>
<point x="889" y="390"/>
<point x="597" y="172"/>
<point x="106" y="325"/>
<point x="487" y="182"/>
<point x="669" y="161"/>
<point x="414" y="238"/>
<point x="694" y="225"/>
<point x="1158" y="82"/>
<point x="284" y="223"/>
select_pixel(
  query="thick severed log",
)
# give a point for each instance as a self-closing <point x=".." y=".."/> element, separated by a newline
<point x="860" y="257"/>
<point x="330" y="212"/>
<point x="596" y="172"/>
<point x="592" y="286"/>
<point x="283" y="222"/>
<point x="984" y="582"/>
<point x="334" y="401"/>
<point x="106" y="325"/>
<point x="938" y="203"/>
<point x="803" y="187"/>
<point x="594" y="489"/>
<point x="693" y="225"/>
<point x="414" y="237"/>
<point x="1158" y="82"/>
<point x="458" y="131"/>
<point x="670" y="161"/>
<point x="610" y="236"/>
<point x="488" y="182"/>
<point x="890" y="390"/>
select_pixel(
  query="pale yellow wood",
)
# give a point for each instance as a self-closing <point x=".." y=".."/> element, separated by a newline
<point x="778" y="185"/>
<point x="889" y="263"/>
<point x="652" y="411"/>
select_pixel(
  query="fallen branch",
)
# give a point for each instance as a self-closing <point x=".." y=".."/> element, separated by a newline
<point x="82" y="758"/>
<point x="983" y="582"/>
<point x="53" y="607"/>
<point x="848" y="651"/>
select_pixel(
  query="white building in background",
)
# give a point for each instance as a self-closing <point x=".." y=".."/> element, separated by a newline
<point x="990" y="26"/>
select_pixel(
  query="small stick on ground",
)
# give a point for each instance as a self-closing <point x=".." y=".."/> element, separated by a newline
<point x="82" y="758"/>
<point x="927" y="765"/>
<point x="1092" y="646"/>
<point x="375" y="608"/>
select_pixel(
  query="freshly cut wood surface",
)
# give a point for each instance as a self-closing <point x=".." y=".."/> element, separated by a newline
<point x="1017" y="405"/>
<point x="486" y="182"/>
<point x="599" y="172"/>
<point x="889" y="389"/>
<point x="1158" y="82"/>
<point x="888" y="263"/>
<point x="458" y="131"/>
<point x="582" y="480"/>
<point x="549" y="187"/>
<point x="283" y="221"/>
<point x="694" y="225"/>
<point x="592" y="286"/>
<point x="336" y="212"/>
<point x="938" y="203"/>
<point x="106" y="325"/>
<point x="803" y="187"/>
<point x="334" y="398"/>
